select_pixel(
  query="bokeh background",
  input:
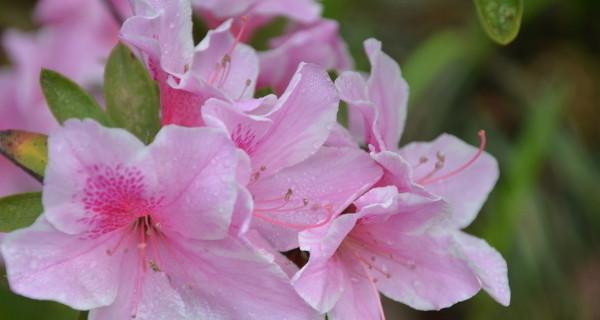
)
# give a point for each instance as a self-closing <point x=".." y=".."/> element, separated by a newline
<point x="538" y="98"/>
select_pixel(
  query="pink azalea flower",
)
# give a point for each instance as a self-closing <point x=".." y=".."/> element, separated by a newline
<point x="219" y="66"/>
<point x="257" y="12"/>
<point x="319" y="43"/>
<point x="134" y="231"/>
<point x="401" y="245"/>
<point x="404" y="239"/>
<point x="447" y="167"/>
<point x="296" y="183"/>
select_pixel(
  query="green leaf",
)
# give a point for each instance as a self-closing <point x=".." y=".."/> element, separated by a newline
<point x="68" y="100"/>
<point x="501" y="19"/>
<point x="132" y="99"/>
<point x="27" y="150"/>
<point x="19" y="211"/>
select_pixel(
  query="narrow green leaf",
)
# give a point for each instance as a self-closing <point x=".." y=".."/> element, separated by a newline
<point x="19" y="211"/>
<point x="27" y="150"/>
<point x="132" y="99"/>
<point x="501" y="19"/>
<point x="68" y="100"/>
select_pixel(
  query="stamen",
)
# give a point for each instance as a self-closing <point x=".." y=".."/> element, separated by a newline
<point x="222" y="69"/>
<point x="125" y="234"/>
<point x="482" y="143"/>
<point x="240" y="34"/>
<point x="226" y="64"/>
<point x="327" y="208"/>
<point x="246" y="86"/>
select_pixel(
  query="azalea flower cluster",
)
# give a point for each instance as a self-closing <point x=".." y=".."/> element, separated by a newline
<point x="242" y="206"/>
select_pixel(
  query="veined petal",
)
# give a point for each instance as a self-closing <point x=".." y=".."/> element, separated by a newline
<point x="163" y="31"/>
<point x="466" y="190"/>
<point x="310" y="193"/>
<point x="84" y="156"/>
<point x="302" y="118"/>
<point x="318" y="43"/>
<point x="45" y="263"/>
<point x="196" y="171"/>
<point x="488" y="264"/>
<point x="228" y="279"/>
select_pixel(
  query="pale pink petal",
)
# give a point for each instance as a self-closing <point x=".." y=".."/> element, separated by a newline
<point x="340" y="137"/>
<point x="238" y="79"/>
<point x="353" y="90"/>
<point x="323" y="279"/>
<point x="466" y="190"/>
<point x="143" y="294"/>
<point x="163" y="31"/>
<point x="310" y="193"/>
<point x="302" y="118"/>
<point x="410" y="255"/>
<point x="257" y="12"/>
<point x="242" y="212"/>
<point x="380" y="102"/>
<point x="318" y="43"/>
<point x="44" y="263"/>
<point x="83" y="153"/>
<point x="303" y="11"/>
<point x="488" y="264"/>
<point x="228" y="279"/>
<point x="196" y="184"/>
<point x="258" y="242"/>
<point x="323" y="242"/>
<point x="397" y="171"/>
<point x="360" y="299"/>
<point x="321" y="283"/>
<point x="389" y="93"/>
<point x="245" y="130"/>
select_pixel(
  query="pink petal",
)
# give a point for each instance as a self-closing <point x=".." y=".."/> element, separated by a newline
<point x="303" y="118"/>
<point x="488" y="264"/>
<point x="318" y="43"/>
<point x="239" y="80"/>
<point x="340" y="137"/>
<point x="353" y="90"/>
<point x="162" y="30"/>
<point x="245" y="130"/>
<point x="360" y="299"/>
<point x="75" y="151"/>
<point x="381" y="102"/>
<point x="196" y="171"/>
<point x="143" y="294"/>
<point x="44" y="263"/>
<point x="403" y="240"/>
<point x="389" y="93"/>
<point x="322" y="280"/>
<point x="321" y="283"/>
<point x="310" y="193"/>
<point x="397" y="171"/>
<point x="228" y="279"/>
<point x="465" y="191"/>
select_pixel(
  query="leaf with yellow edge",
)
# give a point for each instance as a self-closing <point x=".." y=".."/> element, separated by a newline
<point x="27" y="150"/>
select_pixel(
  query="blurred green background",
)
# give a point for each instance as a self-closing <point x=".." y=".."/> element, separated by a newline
<point x="538" y="98"/>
